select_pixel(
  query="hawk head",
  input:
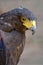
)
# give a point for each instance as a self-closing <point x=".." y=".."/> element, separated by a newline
<point x="19" y="18"/>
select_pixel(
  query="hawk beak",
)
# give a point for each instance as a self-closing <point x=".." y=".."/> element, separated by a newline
<point x="31" y="25"/>
<point x="33" y="28"/>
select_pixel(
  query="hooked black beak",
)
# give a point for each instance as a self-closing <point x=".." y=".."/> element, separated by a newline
<point x="33" y="29"/>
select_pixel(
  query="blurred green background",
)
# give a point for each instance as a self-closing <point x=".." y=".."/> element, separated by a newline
<point x="33" y="51"/>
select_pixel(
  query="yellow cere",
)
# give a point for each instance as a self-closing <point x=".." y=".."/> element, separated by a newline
<point x="28" y="23"/>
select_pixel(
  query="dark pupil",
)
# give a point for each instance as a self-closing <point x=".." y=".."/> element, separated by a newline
<point x="24" y="19"/>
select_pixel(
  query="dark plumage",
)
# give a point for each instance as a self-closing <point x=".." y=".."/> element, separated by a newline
<point x="14" y="33"/>
<point x="2" y="51"/>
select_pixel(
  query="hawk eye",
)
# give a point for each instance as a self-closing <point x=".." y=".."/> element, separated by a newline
<point x="23" y="19"/>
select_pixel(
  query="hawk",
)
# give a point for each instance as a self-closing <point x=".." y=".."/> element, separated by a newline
<point x="14" y="23"/>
